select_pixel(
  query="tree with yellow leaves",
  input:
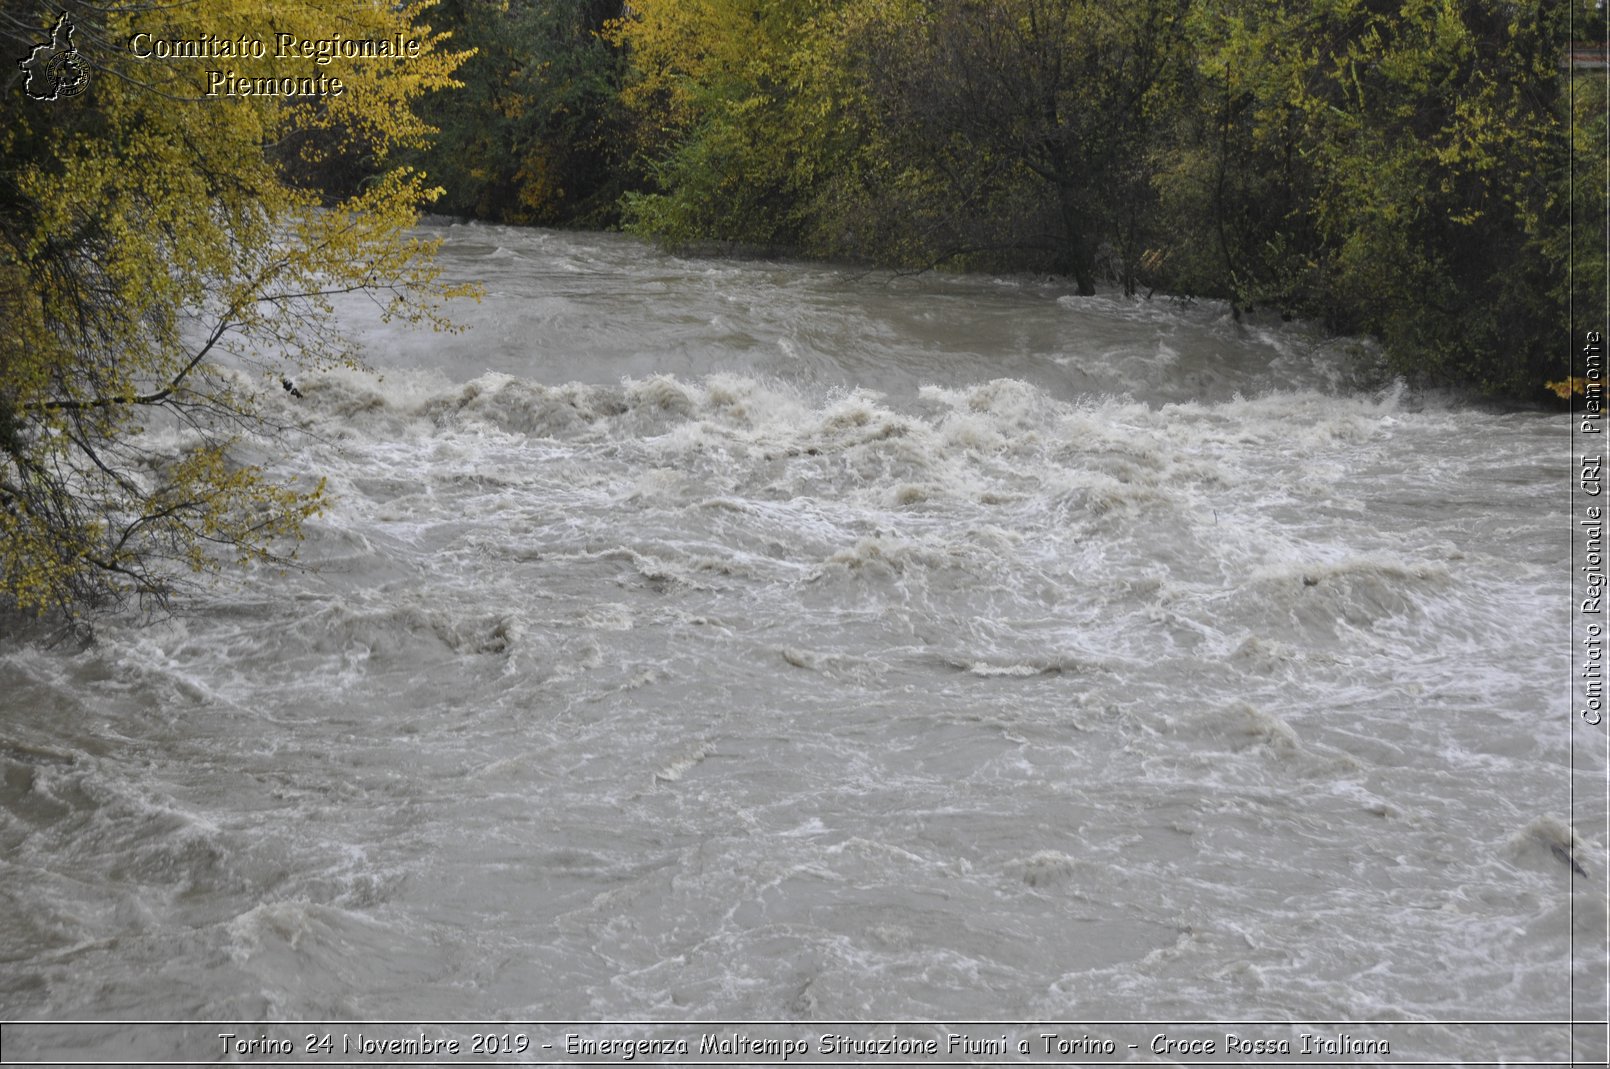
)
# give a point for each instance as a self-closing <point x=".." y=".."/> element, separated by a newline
<point x="163" y="260"/>
<point x="725" y="96"/>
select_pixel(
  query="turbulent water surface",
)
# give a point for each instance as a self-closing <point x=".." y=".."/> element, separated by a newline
<point x="705" y="640"/>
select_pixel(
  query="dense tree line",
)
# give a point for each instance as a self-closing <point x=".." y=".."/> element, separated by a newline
<point x="1400" y="168"/>
<point x="534" y="134"/>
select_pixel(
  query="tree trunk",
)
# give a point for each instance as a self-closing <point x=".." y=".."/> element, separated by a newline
<point x="1074" y="256"/>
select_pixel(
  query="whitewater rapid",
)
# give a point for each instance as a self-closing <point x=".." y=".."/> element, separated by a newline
<point x="702" y="640"/>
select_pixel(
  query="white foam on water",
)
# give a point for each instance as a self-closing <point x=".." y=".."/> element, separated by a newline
<point x="855" y="660"/>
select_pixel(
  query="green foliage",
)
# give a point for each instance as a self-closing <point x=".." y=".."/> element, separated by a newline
<point x="904" y="131"/>
<point x="1393" y="168"/>
<point x="535" y="135"/>
<point x="1388" y="169"/>
<point x="152" y="256"/>
<point x="1232" y="171"/>
<point x="725" y="118"/>
<point x="1576" y="253"/>
<point x="1439" y="172"/>
<point x="1019" y="126"/>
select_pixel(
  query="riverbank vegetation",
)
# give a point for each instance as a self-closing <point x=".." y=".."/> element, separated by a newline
<point x="1415" y="170"/>
<point x="164" y="259"/>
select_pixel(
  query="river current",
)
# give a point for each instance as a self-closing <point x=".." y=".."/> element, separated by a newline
<point x="706" y="640"/>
